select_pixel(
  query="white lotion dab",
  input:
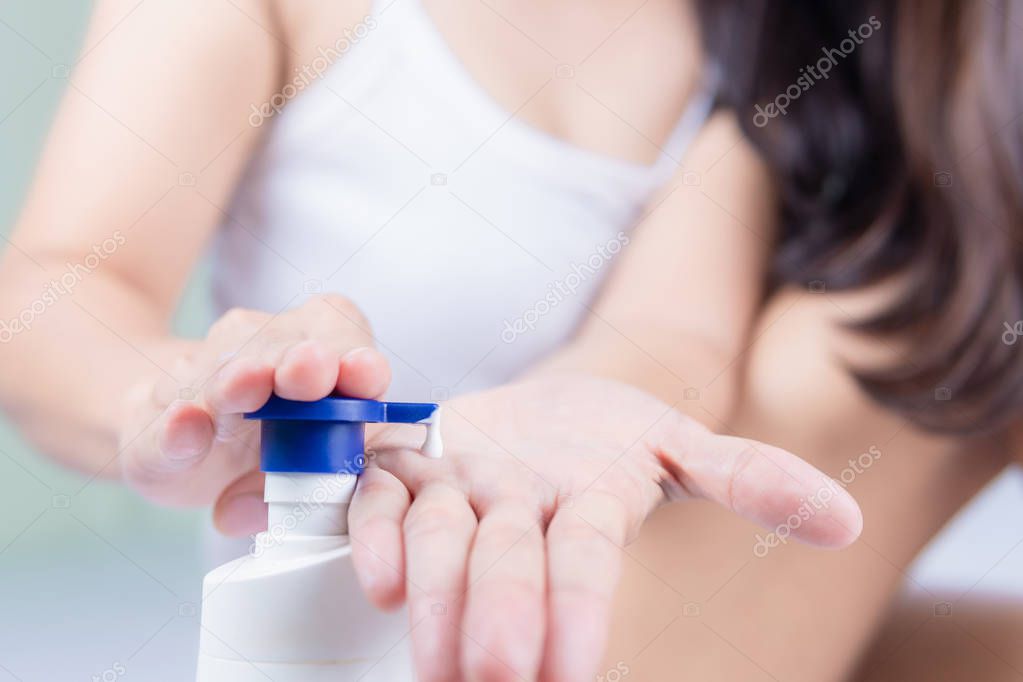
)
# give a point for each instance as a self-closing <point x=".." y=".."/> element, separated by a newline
<point x="433" y="447"/>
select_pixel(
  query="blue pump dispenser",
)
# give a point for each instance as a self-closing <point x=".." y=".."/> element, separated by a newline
<point x="293" y="608"/>
<point x="328" y="435"/>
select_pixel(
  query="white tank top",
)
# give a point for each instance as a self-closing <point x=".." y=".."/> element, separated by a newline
<point x="472" y="241"/>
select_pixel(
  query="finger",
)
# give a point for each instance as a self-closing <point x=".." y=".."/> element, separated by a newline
<point x="504" y="621"/>
<point x="583" y="563"/>
<point x="186" y="436"/>
<point x="167" y="452"/>
<point x="175" y="466"/>
<point x="243" y="384"/>
<point x="173" y="385"/>
<point x="364" y="373"/>
<point x="762" y="483"/>
<point x="438" y="531"/>
<point x="179" y="437"/>
<point x="396" y="448"/>
<point x="308" y="370"/>
<point x="240" y="510"/>
<point x="374" y="525"/>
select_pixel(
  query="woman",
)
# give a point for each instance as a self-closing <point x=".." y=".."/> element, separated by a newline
<point x="377" y="179"/>
<point x="465" y="187"/>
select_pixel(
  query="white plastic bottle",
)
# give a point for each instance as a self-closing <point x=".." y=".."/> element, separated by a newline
<point x="292" y="610"/>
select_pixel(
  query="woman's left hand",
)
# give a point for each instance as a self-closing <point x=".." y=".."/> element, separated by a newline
<point x="507" y="549"/>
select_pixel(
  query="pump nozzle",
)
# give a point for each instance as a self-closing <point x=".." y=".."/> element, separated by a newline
<point x="328" y="435"/>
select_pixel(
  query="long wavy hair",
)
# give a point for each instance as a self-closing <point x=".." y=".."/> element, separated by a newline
<point x="895" y="131"/>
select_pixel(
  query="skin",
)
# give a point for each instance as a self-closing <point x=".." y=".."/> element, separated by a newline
<point x="189" y="447"/>
<point x="518" y="532"/>
<point x="978" y="640"/>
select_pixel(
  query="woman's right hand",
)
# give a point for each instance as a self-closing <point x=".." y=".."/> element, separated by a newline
<point x="186" y="442"/>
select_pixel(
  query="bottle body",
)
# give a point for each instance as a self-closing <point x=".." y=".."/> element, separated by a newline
<point x="295" y="612"/>
<point x="292" y="610"/>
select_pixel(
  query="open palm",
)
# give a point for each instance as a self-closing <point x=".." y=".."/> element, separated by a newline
<point x="507" y="550"/>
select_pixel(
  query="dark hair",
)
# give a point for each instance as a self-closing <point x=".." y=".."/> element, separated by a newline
<point x="904" y="160"/>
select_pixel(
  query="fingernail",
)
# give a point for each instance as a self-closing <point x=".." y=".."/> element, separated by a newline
<point x="185" y="444"/>
<point x="308" y="346"/>
<point x="365" y="373"/>
<point x="187" y="440"/>
<point x="355" y="353"/>
<point x="243" y="515"/>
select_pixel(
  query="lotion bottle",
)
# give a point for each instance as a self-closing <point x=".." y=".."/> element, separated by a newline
<point x="292" y="610"/>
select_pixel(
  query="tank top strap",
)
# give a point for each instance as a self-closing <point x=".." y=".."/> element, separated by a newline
<point x="689" y="124"/>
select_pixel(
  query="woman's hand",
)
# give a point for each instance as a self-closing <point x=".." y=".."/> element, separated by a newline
<point x="191" y="446"/>
<point x="508" y="549"/>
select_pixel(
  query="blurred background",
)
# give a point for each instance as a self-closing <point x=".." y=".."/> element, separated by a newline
<point x="95" y="584"/>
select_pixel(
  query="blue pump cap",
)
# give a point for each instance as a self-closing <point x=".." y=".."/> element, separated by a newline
<point x="325" y="436"/>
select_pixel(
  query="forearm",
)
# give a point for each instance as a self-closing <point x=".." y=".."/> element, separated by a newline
<point x="68" y="357"/>
<point x="156" y="194"/>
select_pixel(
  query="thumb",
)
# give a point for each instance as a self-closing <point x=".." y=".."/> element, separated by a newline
<point x="762" y="483"/>
<point x="240" y="510"/>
